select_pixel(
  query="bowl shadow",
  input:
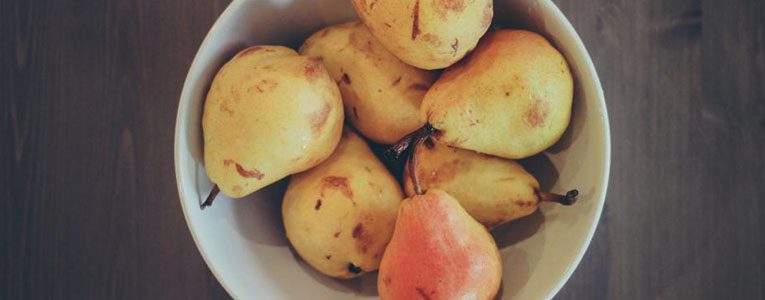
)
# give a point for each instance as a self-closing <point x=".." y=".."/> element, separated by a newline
<point x="516" y="231"/>
<point x="543" y="169"/>
<point x="519" y="260"/>
<point x="365" y="285"/>
<point x="506" y="236"/>
<point x="259" y="216"/>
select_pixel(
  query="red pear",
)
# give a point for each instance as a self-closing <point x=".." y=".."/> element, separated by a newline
<point x="438" y="251"/>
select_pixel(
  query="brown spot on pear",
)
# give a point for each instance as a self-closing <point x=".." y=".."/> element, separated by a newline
<point x="313" y="69"/>
<point x="455" y="5"/>
<point x="537" y="113"/>
<point x="253" y="173"/>
<point x="338" y="183"/>
<point x="416" y="20"/>
<point x="387" y="280"/>
<point x="357" y="231"/>
<point x="319" y="118"/>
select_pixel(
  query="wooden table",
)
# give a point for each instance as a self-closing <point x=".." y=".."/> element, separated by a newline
<point x="90" y="210"/>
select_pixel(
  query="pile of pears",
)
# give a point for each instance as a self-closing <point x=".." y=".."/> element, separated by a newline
<point x="456" y="104"/>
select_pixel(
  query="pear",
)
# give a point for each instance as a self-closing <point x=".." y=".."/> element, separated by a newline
<point x="438" y="251"/>
<point x="427" y="34"/>
<point x="339" y="216"/>
<point x="493" y="190"/>
<point x="511" y="97"/>
<point x="269" y="113"/>
<point x="381" y="93"/>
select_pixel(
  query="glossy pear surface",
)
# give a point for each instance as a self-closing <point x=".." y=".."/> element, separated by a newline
<point x="381" y="94"/>
<point x="269" y="113"/>
<point x="340" y="215"/>
<point x="511" y="97"/>
<point x="493" y="190"/>
<point x="438" y="251"/>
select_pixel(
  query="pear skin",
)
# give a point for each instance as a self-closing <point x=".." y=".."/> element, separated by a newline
<point x="269" y="113"/>
<point x="511" y="97"/>
<point x="381" y="94"/>
<point x="438" y="251"/>
<point x="493" y="190"/>
<point x="427" y="34"/>
<point x="339" y="216"/>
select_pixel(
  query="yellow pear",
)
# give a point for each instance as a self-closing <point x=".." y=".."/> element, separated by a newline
<point x="492" y="189"/>
<point x="339" y="216"/>
<point x="381" y="94"/>
<point x="269" y="113"/>
<point x="511" y="97"/>
<point x="427" y="34"/>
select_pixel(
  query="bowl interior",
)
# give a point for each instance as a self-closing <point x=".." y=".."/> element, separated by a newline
<point x="243" y="240"/>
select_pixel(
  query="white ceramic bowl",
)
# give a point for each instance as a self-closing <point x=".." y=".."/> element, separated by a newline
<point x="243" y="240"/>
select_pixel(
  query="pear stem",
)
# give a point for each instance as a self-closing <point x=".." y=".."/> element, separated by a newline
<point x="413" y="170"/>
<point x="568" y="199"/>
<point x="418" y="140"/>
<point x="211" y="197"/>
<point x="394" y="152"/>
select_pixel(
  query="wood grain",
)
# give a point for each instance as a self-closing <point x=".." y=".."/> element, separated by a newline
<point x="89" y="92"/>
<point x="684" y="86"/>
<point x="89" y="96"/>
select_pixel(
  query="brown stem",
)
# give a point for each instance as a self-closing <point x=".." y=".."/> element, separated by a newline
<point x="412" y="167"/>
<point x="418" y="141"/>
<point x="211" y="197"/>
<point x="394" y="152"/>
<point x="567" y="199"/>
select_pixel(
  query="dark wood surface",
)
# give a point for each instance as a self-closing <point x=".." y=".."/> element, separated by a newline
<point x="89" y="91"/>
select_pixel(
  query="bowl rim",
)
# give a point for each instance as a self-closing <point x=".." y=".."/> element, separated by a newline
<point x="182" y="109"/>
<point x="606" y="133"/>
<point x="589" y="70"/>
